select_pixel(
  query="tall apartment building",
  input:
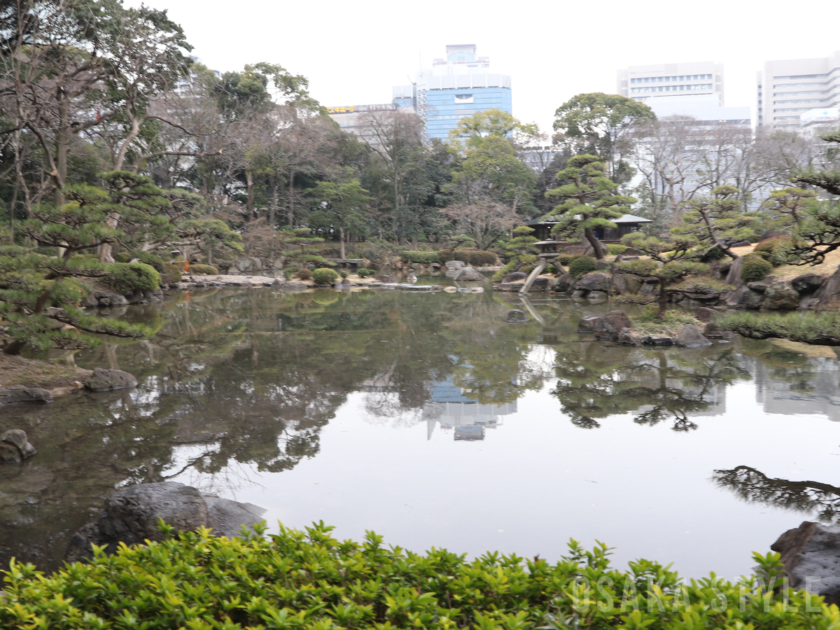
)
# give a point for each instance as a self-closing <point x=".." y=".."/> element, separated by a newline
<point x="460" y="85"/>
<point x="788" y="88"/>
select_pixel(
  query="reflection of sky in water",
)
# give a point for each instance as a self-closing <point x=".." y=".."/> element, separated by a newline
<point x="447" y="427"/>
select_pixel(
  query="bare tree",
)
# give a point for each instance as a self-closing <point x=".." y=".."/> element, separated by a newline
<point x="484" y="221"/>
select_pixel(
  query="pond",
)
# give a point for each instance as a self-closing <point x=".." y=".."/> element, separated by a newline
<point x="432" y="421"/>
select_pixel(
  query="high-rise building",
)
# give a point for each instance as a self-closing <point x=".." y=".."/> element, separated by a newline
<point x="682" y="89"/>
<point x="461" y="85"/>
<point x="647" y="83"/>
<point x="786" y="89"/>
<point x="353" y="119"/>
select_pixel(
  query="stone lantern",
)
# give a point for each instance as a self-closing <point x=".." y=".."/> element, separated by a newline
<point x="548" y="249"/>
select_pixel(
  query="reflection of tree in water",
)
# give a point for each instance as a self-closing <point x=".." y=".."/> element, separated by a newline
<point x="596" y="381"/>
<point x="802" y="496"/>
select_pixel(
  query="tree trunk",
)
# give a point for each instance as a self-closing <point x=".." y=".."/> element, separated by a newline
<point x="597" y="246"/>
<point x="663" y="299"/>
<point x="249" y="181"/>
<point x="291" y="216"/>
<point x="62" y="142"/>
<point x="341" y="241"/>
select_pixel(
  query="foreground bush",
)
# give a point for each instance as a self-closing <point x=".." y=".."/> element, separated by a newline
<point x="615" y="249"/>
<point x="581" y="265"/>
<point x="309" y="580"/>
<point x="421" y="258"/>
<point x="324" y="276"/>
<point x="816" y="328"/>
<point x="303" y="273"/>
<point x="130" y="277"/>
<point x="755" y="268"/>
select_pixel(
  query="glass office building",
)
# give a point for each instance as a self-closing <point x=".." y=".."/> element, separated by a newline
<point x="460" y="85"/>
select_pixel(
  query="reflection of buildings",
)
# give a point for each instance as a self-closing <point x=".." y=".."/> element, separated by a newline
<point x="468" y="418"/>
<point x="815" y="391"/>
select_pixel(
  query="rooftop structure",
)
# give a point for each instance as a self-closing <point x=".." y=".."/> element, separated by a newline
<point x="647" y="83"/>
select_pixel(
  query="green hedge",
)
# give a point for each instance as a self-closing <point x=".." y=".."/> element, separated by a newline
<point x="582" y="265"/>
<point x="171" y="273"/>
<point x="474" y="257"/>
<point x="775" y="250"/>
<point x="207" y="270"/>
<point x="130" y="277"/>
<point x="421" y="258"/>
<point x="615" y="250"/>
<point x="311" y="581"/>
<point x="324" y="276"/>
<point x="755" y="268"/>
<point x="807" y="327"/>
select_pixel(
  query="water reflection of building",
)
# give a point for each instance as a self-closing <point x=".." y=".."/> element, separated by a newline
<point x="454" y="411"/>
<point x="811" y="388"/>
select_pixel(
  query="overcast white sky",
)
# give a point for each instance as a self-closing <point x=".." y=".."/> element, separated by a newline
<point x="354" y="52"/>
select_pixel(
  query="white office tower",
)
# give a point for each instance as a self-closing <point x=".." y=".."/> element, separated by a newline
<point x="787" y="89"/>
<point x="648" y="83"/>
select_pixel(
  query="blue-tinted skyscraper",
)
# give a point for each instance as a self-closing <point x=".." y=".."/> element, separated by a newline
<point x="460" y="85"/>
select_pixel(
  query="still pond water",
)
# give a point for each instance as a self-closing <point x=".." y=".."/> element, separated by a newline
<point x="430" y="420"/>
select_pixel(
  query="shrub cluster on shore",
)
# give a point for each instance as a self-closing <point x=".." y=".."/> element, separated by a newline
<point x="310" y="580"/>
<point x="816" y="328"/>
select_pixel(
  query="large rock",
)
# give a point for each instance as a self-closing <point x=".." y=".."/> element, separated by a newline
<point x="744" y="297"/>
<point x="454" y="265"/>
<point x="106" y="298"/>
<point x="468" y="274"/>
<point x="515" y="276"/>
<point x="508" y="286"/>
<point x="811" y="555"/>
<point x="516" y="317"/>
<point x="541" y="283"/>
<point x="386" y="278"/>
<point x="625" y="283"/>
<point x="593" y="282"/>
<point x="704" y="314"/>
<point x="17" y="438"/>
<point x="607" y="327"/>
<point x="807" y="283"/>
<point x="21" y="394"/>
<point x="690" y="337"/>
<point x="827" y="297"/>
<point x="107" y="380"/>
<point x="780" y="296"/>
<point x="563" y="283"/>
<point x="733" y="276"/>
<point x="131" y="516"/>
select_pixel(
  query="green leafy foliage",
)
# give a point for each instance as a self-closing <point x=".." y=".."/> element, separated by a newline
<point x="614" y="249"/>
<point x="364" y="273"/>
<point x="421" y="258"/>
<point x="755" y="268"/>
<point x="311" y="581"/>
<point x="519" y="251"/>
<point x="206" y="270"/>
<point x="129" y="277"/>
<point x="582" y="265"/>
<point x="304" y="274"/>
<point x="716" y="220"/>
<point x="171" y="272"/>
<point x="324" y="276"/>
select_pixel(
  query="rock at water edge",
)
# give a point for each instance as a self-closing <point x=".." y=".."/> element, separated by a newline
<point x="107" y="380"/>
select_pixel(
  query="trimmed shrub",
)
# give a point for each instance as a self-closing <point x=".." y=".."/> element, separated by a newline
<point x="755" y="268"/>
<point x="310" y="580"/>
<point x="582" y="265"/>
<point x="123" y="257"/>
<point x="343" y="273"/>
<point x="565" y="259"/>
<point x="290" y="272"/>
<point x="206" y="270"/>
<point x="148" y="258"/>
<point x="775" y="250"/>
<point x="364" y="273"/>
<point x="324" y="276"/>
<point x="131" y="277"/>
<point x="421" y="258"/>
<point x="615" y="249"/>
<point x="304" y="274"/>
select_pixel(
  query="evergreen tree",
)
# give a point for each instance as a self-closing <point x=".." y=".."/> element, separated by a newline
<point x="587" y="202"/>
